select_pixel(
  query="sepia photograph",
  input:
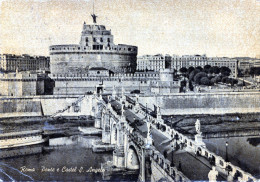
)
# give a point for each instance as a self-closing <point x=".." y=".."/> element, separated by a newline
<point x="130" y="90"/>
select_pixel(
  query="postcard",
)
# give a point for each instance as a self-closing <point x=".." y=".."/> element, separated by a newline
<point x="129" y="90"/>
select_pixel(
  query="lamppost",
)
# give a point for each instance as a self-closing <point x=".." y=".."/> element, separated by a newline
<point x="172" y="163"/>
<point x="174" y="146"/>
<point x="226" y="151"/>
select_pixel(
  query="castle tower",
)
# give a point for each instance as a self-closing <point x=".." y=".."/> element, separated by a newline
<point x="96" y="46"/>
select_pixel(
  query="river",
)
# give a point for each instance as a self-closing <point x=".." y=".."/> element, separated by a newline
<point x="74" y="162"/>
<point x="241" y="151"/>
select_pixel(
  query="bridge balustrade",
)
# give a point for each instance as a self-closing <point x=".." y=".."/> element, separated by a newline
<point x="190" y="143"/>
<point x="165" y="166"/>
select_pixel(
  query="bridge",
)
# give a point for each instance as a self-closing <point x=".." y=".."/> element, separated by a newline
<point x="142" y="141"/>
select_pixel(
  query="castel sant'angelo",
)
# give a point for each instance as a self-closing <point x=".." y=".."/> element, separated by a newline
<point x="96" y="49"/>
<point x="97" y="64"/>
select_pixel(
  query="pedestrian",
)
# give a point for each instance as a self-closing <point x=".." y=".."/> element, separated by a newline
<point x="179" y="167"/>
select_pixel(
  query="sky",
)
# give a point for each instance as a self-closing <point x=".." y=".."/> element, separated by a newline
<point x="214" y="27"/>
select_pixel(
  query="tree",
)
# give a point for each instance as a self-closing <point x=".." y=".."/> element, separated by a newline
<point x="193" y="73"/>
<point x="199" y="76"/>
<point x="216" y="69"/>
<point x="240" y="72"/>
<point x="183" y="70"/>
<point x="191" y="86"/>
<point x="206" y="68"/>
<point x="225" y="71"/>
<point x="213" y="80"/>
<point x="211" y="70"/>
<point x="224" y="79"/>
<point x="190" y="69"/>
<point x="254" y="71"/>
<point x="232" y="81"/>
<point x="218" y="79"/>
<point x="183" y="83"/>
<point x="210" y="77"/>
<point x="199" y="68"/>
<point x="205" y="81"/>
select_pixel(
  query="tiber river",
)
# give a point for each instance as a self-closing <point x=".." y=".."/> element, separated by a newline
<point x="77" y="162"/>
<point x="66" y="163"/>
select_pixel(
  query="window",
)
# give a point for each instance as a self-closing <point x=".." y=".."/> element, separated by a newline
<point x="94" y="39"/>
<point x="108" y="39"/>
<point x="101" y="39"/>
<point x="87" y="39"/>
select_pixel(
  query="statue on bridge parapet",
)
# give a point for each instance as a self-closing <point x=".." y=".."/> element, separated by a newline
<point x="213" y="174"/>
<point x="149" y="140"/>
<point x="114" y="91"/>
<point x="158" y="113"/>
<point x="198" y="136"/>
<point x="197" y="126"/>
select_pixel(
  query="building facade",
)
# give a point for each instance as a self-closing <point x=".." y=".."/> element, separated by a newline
<point x="153" y="62"/>
<point x="98" y="77"/>
<point x="188" y="61"/>
<point x="96" y="49"/>
<point x="202" y="60"/>
<point x="11" y="63"/>
<point x="21" y="84"/>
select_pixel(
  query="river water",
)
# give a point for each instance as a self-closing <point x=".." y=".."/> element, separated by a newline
<point x="66" y="163"/>
<point x="242" y="151"/>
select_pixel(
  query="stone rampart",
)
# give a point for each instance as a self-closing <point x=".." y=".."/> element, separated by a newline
<point x="41" y="105"/>
<point x="205" y="103"/>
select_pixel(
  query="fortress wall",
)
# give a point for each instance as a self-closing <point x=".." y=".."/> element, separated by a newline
<point x="73" y="63"/>
<point x="178" y="104"/>
<point x="83" y="86"/>
<point x="39" y="105"/>
<point x="205" y="103"/>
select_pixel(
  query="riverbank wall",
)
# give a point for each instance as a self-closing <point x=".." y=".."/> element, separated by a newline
<point x="172" y="104"/>
<point x="204" y="103"/>
<point x="30" y="106"/>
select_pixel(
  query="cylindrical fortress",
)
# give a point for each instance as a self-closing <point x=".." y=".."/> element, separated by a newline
<point x="96" y="49"/>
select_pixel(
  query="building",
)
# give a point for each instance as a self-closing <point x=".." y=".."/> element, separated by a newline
<point x="95" y="49"/>
<point x="257" y="63"/>
<point x="98" y="72"/>
<point x="153" y="62"/>
<point x="224" y="61"/>
<point x="97" y="77"/>
<point x="188" y="61"/>
<point x="11" y="63"/>
<point x="202" y="60"/>
<point x="21" y="84"/>
<point x="246" y="63"/>
<point x="150" y="62"/>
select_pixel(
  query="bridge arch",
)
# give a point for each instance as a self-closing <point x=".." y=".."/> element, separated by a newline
<point x="133" y="160"/>
<point x="113" y="132"/>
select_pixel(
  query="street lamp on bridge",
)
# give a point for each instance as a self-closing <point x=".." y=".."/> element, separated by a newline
<point x="226" y="151"/>
<point x="174" y="146"/>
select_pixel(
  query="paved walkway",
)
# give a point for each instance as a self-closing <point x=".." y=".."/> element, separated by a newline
<point x="195" y="168"/>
